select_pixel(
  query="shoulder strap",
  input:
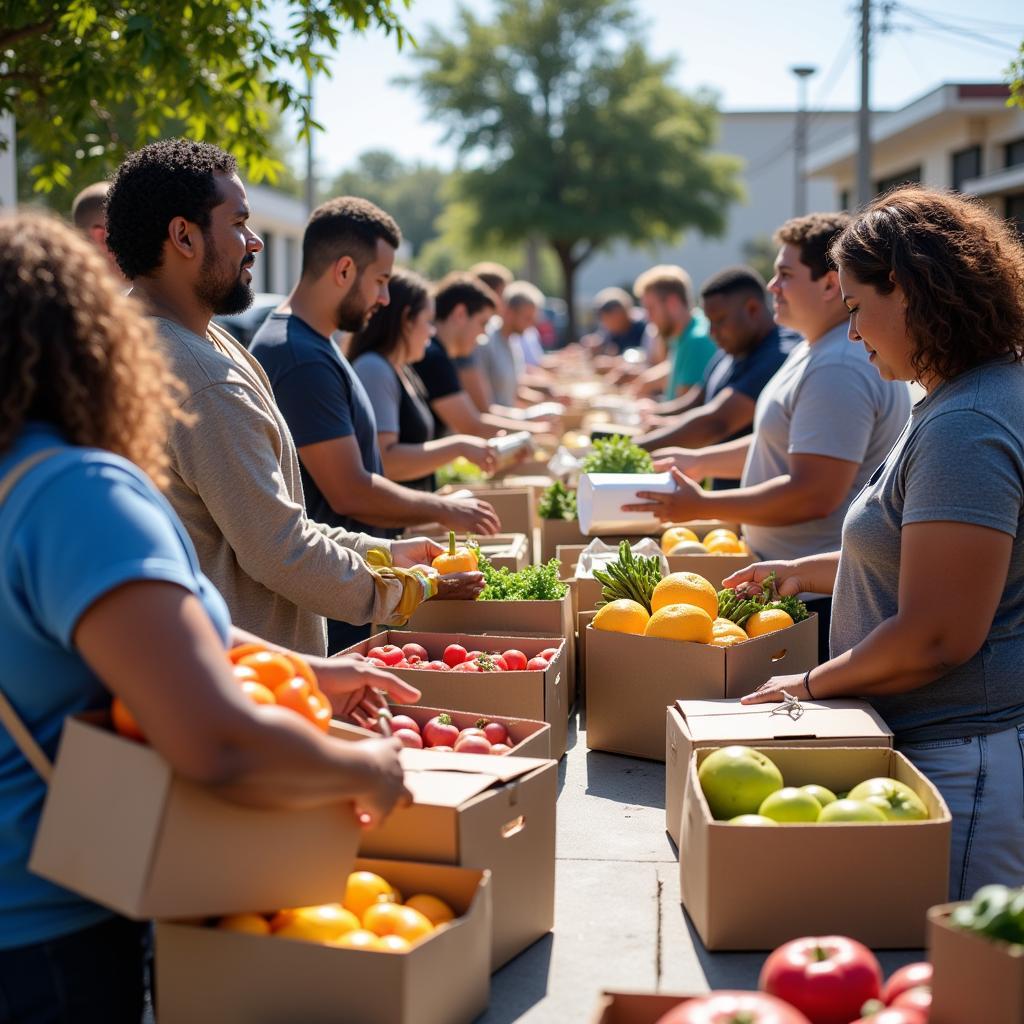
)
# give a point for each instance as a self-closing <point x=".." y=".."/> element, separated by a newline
<point x="9" y="718"/>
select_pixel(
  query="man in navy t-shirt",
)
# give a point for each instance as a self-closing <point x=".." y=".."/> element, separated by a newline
<point x="752" y="347"/>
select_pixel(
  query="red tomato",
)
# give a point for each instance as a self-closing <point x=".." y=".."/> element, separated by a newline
<point x="402" y="664"/>
<point x="536" y="665"/>
<point x="473" y="730"/>
<point x="466" y="666"/>
<point x="440" y="732"/>
<point x="731" y="1007"/>
<point x="500" y="748"/>
<point x="895" y="1015"/>
<point x="377" y="663"/>
<point x="919" y="998"/>
<point x="827" y="979"/>
<point x="496" y="732"/>
<point x="405" y="722"/>
<point x="454" y="654"/>
<point x="515" y="660"/>
<point x="389" y="654"/>
<point x="910" y="976"/>
<point x="473" y="654"/>
<point x="548" y="653"/>
<point x="409" y="738"/>
<point x="415" y="661"/>
<point x="499" y="662"/>
<point x="435" y="666"/>
<point x="472" y="744"/>
<point x="409" y="650"/>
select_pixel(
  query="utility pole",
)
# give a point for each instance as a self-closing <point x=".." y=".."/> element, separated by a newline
<point x="865" y="193"/>
<point x="310" y="178"/>
<point x="802" y="72"/>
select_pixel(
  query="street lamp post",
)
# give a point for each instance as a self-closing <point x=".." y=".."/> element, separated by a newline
<point x="802" y="72"/>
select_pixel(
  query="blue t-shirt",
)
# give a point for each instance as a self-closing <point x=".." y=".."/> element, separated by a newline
<point x="76" y="526"/>
<point x="321" y="399"/>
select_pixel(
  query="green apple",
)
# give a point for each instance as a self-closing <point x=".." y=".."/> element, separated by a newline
<point x="790" y="804"/>
<point x="895" y="799"/>
<point x="821" y="794"/>
<point x="736" y="780"/>
<point x="850" y="810"/>
<point x="752" y="819"/>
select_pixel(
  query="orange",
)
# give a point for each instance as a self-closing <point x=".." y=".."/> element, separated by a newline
<point x="236" y="654"/>
<point x="622" y="616"/>
<point x="395" y="919"/>
<point x="768" y="621"/>
<point x="124" y="721"/>
<point x="726" y="627"/>
<point x="685" y="588"/>
<point x="295" y="694"/>
<point x="319" y="710"/>
<point x="713" y="535"/>
<point x="435" y="910"/>
<point x="724" y="546"/>
<point x="363" y="889"/>
<point x="251" y="924"/>
<point x="244" y="673"/>
<point x="676" y="535"/>
<point x="273" y="670"/>
<point x="393" y="944"/>
<point x="358" y="938"/>
<point x="323" y="923"/>
<point x="302" y="669"/>
<point x="257" y="692"/>
<point x="681" y="622"/>
<point x="727" y="640"/>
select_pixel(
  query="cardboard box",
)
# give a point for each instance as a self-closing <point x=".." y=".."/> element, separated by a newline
<point x="528" y="738"/>
<point x="537" y="696"/>
<point x="120" y="828"/>
<point x="512" y="551"/>
<point x="692" y="724"/>
<point x="504" y="618"/>
<point x="583" y="619"/>
<point x="516" y="507"/>
<point x="974" y="979"/>
<point x="751" y="887"/>
<point x="635" y="1007"/>
<point x="203" y="974"/>
<point x="632" y="679"/>
<point x="478" y="811"/>
<point x="558" y="532"/>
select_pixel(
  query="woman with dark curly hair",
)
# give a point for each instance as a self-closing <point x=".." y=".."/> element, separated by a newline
<point x="928" y="619"/>
<point x="101" y="593"/>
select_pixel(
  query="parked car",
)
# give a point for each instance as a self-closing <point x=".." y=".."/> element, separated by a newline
<point x="243" y="326"/>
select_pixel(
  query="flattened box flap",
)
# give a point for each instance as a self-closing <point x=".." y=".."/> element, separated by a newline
<point x="450" y="780"/>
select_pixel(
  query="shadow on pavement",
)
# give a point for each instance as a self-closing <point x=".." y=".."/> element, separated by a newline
<point x="625" y="779"/>
<point x="520" y="984"/>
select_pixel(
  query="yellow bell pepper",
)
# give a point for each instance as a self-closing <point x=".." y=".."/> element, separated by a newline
<point x="456" y="559"/>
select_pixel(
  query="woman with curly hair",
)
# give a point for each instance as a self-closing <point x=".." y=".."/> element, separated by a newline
<point x="928" y="617"/>
<point x="101" y="593"/>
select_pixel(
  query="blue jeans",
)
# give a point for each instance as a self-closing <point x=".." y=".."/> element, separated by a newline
<point x="93" y="976"/>
<point x="981" y="778"/>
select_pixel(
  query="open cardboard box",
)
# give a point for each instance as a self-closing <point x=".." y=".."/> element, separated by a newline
<point x="484" y="812"/>
<point x="120" y="828"/>
<point x="692" y="724"/>
<point x="204" y="974"/>
<point x="755" y="887"/>
<point x="503" y="618"/>
<point x="635" y="1007"/>
<point x="526" y="738"/>
<point x="632" y="679"/>
<point x="537" y="696"/>
<point x="974" y="979"/>
<point x="512" y="551"/>
<point x="516" y="506"/>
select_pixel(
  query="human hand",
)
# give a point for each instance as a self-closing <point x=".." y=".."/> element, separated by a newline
<point x="686" y="460"/>
<point x="385" y="783"/>
<point x="682" y="505"/>
<point x="788" y="580"/>
<point x="460" y="586"/>
<point x="469" y="515"/>
<point x="414" y="551"/>
<point x="357" y="689"/>
<point x="777" y="689"/>
<point x="479" y="452"/>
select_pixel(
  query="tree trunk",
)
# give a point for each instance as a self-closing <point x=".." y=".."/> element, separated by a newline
<point x="565" y="260"/>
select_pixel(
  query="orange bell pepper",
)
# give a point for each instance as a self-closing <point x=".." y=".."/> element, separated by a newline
<point x="455" y="559"/>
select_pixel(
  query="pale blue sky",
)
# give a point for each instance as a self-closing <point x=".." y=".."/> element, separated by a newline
<point x="742" y="49"/>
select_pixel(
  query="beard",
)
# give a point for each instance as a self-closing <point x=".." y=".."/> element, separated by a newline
<point x="353" y="314"/>
<point x="223" y="292"/>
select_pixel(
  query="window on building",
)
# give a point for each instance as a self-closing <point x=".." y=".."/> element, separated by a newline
<point x="908" y="177"/>
<point x="966" y="164"/>
<point x="844" y="199"/>
<point x="268" y="256"/>
<point x="1014" y="152"/>
<point x="1015" y="212"/>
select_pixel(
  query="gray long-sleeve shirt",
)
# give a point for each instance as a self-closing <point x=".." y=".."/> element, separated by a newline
<point x="235" y="483"/>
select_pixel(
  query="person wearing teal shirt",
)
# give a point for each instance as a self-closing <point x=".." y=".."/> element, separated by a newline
<point x="689" y="353"/>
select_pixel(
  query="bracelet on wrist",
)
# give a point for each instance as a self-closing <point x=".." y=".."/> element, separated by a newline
<point x="807" y="684"/>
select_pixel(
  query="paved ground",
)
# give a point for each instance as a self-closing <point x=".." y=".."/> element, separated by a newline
<point x="618" y="920"/>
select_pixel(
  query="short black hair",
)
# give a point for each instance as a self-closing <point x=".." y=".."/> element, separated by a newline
<point x="813" y="235"/>
<point x="462" y="290"/>
<point x="345" y="226"/>
<point x="734" y="281"/>
<point x="166" y="179"/>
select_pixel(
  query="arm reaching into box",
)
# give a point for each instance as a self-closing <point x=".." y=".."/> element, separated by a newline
<point x="815" y="574"/>
<point x="154" y="646"/>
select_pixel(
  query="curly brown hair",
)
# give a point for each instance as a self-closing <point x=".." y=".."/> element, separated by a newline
<point x="813" y="235"/>
<point x="960" y="267"/>
<point x="74" y="351"/>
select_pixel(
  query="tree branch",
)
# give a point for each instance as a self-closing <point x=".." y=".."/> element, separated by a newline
<point x="16" y="35"/>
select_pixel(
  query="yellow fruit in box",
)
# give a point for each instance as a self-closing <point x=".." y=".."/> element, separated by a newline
<point x="681" y="622"/>
<point x="720" y="532"/>
<point x="394" y="919"/>
<point x="393" y="944"/>
<point x="363" y="889"/>
<point x="358" y="938"/>
<point x="675" y="535"/>
<point x="685" y="588"/>
<point x="250" y="924"/>
<point x="726" y="627"/>
<point x="689" y="547"/>
<point x="727" y="640"/>
<point x="324" y="923"/>
<point x="724" y="546"/>
<point x="622" y="616"/>
<point x="435" y="910"/>
<point x="769" y="621"/>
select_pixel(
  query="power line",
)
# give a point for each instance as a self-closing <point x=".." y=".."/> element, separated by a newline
<point x="960" y="31"/>
<point x="971" y="21"/>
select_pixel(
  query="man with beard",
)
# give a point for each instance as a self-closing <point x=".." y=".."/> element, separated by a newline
<point x="177" y="218"/>
<point x="348" y="251"/>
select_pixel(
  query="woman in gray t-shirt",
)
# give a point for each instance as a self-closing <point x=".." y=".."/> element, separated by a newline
<point x="928" y="615"/>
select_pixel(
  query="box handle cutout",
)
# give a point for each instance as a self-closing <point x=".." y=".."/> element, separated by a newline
<point x="779" y="655"/>
<point x="514" y="827"/>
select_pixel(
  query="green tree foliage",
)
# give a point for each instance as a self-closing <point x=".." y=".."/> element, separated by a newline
<point x="99" y="78"/>
<point x="1015" y="74"/>
<point x="411" y="193"/>
<point x="760" y="253"/>
<point x="570" y="131"/>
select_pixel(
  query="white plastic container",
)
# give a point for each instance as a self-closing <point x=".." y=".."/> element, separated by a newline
<point x="600" y="498"/>
<point x="509" y="447"/>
